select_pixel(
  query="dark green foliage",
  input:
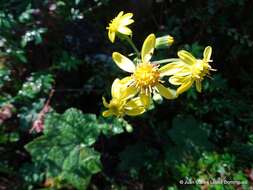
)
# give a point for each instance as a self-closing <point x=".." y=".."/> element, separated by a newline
<point x="65" y="150"/>
<point x="4" y="76"/>
<point x="136" y="157"/>
<point x="189" y="140"/>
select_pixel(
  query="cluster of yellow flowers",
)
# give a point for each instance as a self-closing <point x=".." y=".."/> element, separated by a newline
<point x="132" y="95"/>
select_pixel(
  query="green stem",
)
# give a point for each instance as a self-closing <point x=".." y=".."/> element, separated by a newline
<point x="165" y="61"/>
<point x="129" y="40"/>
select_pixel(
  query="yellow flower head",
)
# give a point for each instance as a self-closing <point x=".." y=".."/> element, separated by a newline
<point x="188" y="70"/>
<point x="119" y="25"/>
<point x="145" y="76"/>
<point x="123" y="101"/>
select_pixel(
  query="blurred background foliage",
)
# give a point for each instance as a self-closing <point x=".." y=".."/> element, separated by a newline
<point x="62" y="45"/>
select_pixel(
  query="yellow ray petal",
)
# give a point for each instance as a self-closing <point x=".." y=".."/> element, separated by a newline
<point x="185" y="86"/>
<point x="127" y="22"/>
<point x="207" y="53"/>
<point x="148" y="48"/>
<point x="186" y="57"/>
<point x="127" y="16"/>
<point x="107" y="113"/>
<point x="126" y="81"/>
<point x="198" y="85"/>
<point x="115" y="89"/>
<point x="165" y="92"/>
<point x="145" y="99"/>
<point x="134" y="107"/>
<point x="171" y="68"/>
<point x="111" y="36"/>
<point x="123" y="62"/>
<point x="126" y="19"/>
<point x="125" y="30"/>
<point x="133" y="103"/>
<point x="135" y="111"/>
<point x="184" y="72"/>
<point x="129" y="92"/>
<point x="177" y="80"/>
<point x="105" y="102"/>
<point x="120" y="14"/>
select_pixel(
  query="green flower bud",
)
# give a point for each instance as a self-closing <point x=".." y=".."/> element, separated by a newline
<point x="164" y="42"/>
<point x="129" y="129"/>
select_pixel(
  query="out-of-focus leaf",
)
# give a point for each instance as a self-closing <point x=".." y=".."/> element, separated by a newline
<point x="4" y="76"/>
<point x="28" y="114"/>
<point x="136" y="157"/>
<point x="189" y="139"/>
<point x="33" y="35"/>
<point x="35" y="84"/>
<point x="113" y="126"/>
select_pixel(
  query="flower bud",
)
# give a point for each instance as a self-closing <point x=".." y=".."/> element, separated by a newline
<point x="129" y="129"/>
<point x="164" y="42"/>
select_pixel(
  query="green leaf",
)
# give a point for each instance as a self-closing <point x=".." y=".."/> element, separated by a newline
<point x="65" y="148"/>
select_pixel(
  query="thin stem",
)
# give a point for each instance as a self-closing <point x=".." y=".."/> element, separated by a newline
<point x="129" y="40"/>
<point x="165" y="61"/>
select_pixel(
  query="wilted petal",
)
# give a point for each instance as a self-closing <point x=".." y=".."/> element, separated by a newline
<point x="148" y="48"/>
<point x="166" y="92"/>
<point x="186" y="57"/>
<point x="123" y="62"/>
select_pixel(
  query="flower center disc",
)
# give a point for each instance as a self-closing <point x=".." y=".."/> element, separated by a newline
<point x="200" y="69"/>
<point x="116" y="106"/>
<point x="114" y="25"/>
<point x="146" y="76"/>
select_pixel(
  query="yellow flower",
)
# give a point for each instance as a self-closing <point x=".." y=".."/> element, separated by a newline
<point x="145" y="76"/>
<point x="119" y="25"/>
<point x="123" y="101"/>
<point x="188" y="70"/>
